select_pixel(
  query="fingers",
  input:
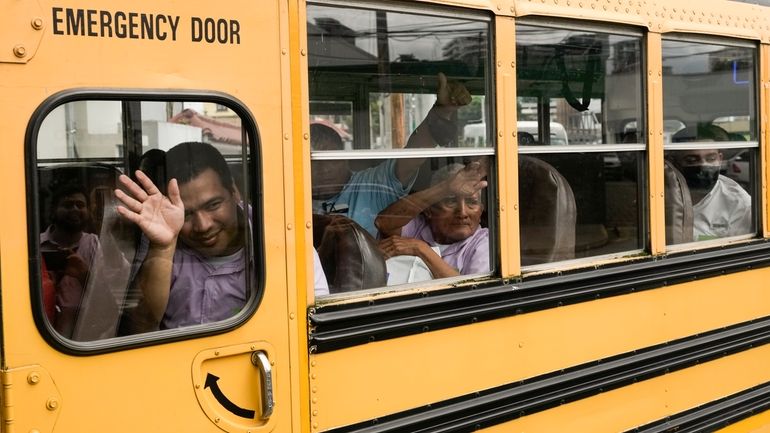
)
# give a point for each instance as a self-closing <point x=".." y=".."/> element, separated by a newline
<point x="129" y="215"/>
<point x="459" y="95"/>
<point x="441" y="81"/>
<point x="133" y="188"/>
<point x="146" y="183"/>
<point x="129" y="202"/>
<point x="173" y="193"/>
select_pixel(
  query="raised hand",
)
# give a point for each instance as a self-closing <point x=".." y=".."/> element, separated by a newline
<point x="159" y="217"/>
<point x="451" y="93"/>
<point x="468" y="180"/>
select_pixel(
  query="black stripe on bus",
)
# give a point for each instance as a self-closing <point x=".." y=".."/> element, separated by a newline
<point x="339" y="326"/>
<point x="715" y="415"/>
<point x="508" y="402"/>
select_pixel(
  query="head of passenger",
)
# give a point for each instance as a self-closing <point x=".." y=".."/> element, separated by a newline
<point x="70" y="209"/>
<point x="211" y="200"/>
<point x="455" y="217"/>
<point x="327" y="177"/>
<point x="700" y="167"/>
<point x="153" y="164"/>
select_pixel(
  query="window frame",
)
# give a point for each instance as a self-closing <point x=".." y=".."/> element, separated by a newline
<point x="641" y="148"/>
<point x="489" y="151"/>
<point x="250" y="155"/>
<point x="752" y="145"/>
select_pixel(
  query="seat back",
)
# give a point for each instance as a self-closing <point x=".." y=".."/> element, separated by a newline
<point x="349" y="255"/>
<point x="678" y="206"/>
<point x="548" y="213"/>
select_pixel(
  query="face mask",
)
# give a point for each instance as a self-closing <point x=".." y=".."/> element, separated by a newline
<point x="702" y="177"/>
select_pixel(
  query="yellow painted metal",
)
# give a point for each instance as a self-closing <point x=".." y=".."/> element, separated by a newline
<point x="756" y="424"/>
<point x="148" y="389"/>
<point x="643" y="402"/>
<point x="296" y="151"/>
<point x="23" y="26"/>
<point x="367" y="381"/>
<point x="31" y="401"/>
<point x="655" y="186"/>
<point x="226" y="376"/>
<point x="764" y="135"/>
<point x="507" y="147"/>
<point x="712" y="17"/>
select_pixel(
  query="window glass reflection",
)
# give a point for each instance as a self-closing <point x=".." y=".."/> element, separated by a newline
<point x="106" y="203"/>
<point x="711" y="148"/>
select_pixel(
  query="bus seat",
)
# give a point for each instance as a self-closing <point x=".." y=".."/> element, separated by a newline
<point x="548" y="213"/>
<point x="678" y="206"/>
<point x="349" y="254"/>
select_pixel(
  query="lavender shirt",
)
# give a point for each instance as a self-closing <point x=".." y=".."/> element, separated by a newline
<point x="202" y="292"/>
<point x="469" y="256"/>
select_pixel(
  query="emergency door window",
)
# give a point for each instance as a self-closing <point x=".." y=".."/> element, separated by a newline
<point x="712" y="153"/>
<point x="146" y="230"/>
<point x="581" y="151"/>
<point x="400" y="149"/>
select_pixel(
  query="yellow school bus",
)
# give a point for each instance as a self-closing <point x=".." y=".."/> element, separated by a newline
<point x="427" y="216"/>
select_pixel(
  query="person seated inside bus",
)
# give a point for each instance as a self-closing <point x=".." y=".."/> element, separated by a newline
<point x="721" y="207"/>
<point x="194" y="269"/>
<point x="361" y="195"/>
<point x="68" y="251"/>
<point x="440" y="225"/>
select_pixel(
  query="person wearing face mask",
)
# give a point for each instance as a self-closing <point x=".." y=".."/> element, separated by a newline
<point x="721" y="207"/>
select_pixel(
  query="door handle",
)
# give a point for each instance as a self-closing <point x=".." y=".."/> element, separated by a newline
<point x="260" y="360"/>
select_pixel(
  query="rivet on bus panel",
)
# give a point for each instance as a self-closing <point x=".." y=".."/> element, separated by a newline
<point x="37" y="23"/>
<point x="303" y="52"/>
<point x="33" y="378"/>
<point x="291" y="316"/>
<point x="308" y="224"/>
<point x="19" y="51"/>
<point x="289" y="226"/>
<point x="306" y="136"/>
<point x="52" y="404"/>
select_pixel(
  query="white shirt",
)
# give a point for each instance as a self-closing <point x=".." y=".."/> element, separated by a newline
<point x="724" y="211"/>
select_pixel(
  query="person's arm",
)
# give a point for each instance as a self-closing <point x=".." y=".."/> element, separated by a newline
<point x="400" y="246"/>
<point x="160" y="218"/>
<point x="450" y="96"/>
<point x="466" y="182"/>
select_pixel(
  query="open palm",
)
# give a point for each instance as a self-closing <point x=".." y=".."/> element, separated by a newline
<point x="159" y="217"/>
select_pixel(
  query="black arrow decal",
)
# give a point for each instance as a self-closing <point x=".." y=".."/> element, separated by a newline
<point x="211" y="382"/>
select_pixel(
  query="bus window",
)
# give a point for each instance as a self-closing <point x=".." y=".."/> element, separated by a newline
<point x="712" y="160"/>
<point x="387" y="176"/>
<point x="580" y="167"/>
<point x="126" y="249"/>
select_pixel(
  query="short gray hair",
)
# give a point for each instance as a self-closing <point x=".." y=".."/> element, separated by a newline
<point x="445" y="173"/>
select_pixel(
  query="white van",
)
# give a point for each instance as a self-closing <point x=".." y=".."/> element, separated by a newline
<point x="475" y="134"/>
<point x="558" y="132"/>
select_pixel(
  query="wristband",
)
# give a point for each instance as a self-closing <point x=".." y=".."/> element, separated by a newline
<point x="443" y="131"/>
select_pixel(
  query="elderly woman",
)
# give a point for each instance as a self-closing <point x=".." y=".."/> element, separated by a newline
<point x="440" y="224"/>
